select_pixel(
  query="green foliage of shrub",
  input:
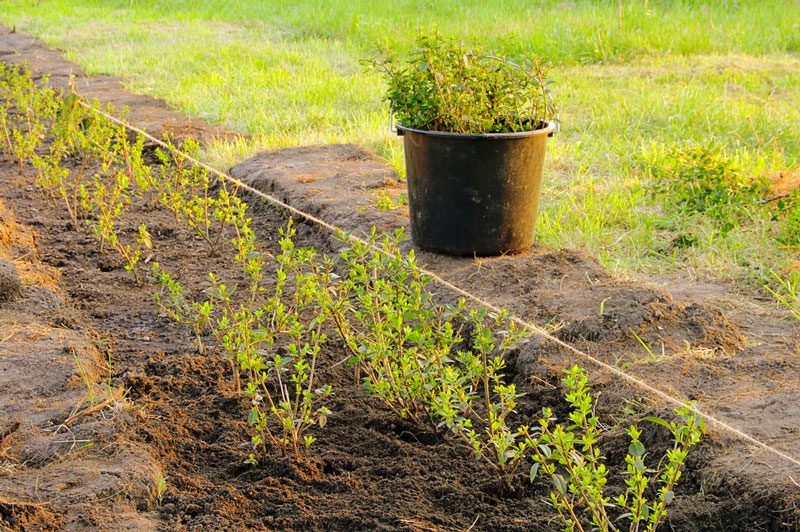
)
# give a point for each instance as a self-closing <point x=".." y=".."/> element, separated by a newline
<point x="447" y="86"/>
<point x="275" y="335"/>
<point x="195" y="197"/>
<point x="789" y="220"/>
<point x="28" y="110"/>
<point x="569" y="455"/>
<point x="437" y="365"/>
<point x="701" y="180"/>
<point x="272" y="333"/>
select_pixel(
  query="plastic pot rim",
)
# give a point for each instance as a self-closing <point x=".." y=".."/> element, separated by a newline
<point x="548" y="130"/>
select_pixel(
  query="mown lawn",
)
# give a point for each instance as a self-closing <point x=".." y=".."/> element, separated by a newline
<point x="633" y="87"/>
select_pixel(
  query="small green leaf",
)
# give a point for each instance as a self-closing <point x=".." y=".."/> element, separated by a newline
<point x="545" y="450"/>
<point x="636" y="449"/>
<point x="657" y="421"/>
<point x="560" y="484"/>
<point x="534" y="471"/>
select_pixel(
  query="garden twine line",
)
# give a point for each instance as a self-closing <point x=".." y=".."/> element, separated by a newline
<point x="460" y="291"/>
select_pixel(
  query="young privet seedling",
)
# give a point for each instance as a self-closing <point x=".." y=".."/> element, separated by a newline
<point x="398" y="338"/>
<point x="569" y="455"/>
<point x="474" y="401"/>
<point x="5" y="119"/>
<point x="5" y="133"/>
<point x="104" y="200"/>
<point x="44" y="110"/>
<point x="276" y="340"/>
<point x="209" y="216"/>
<point x="52" y="176"/>
<point x="187" y="190"/>
<point x="38" y="105"/>
<point x="413" y="355"/>
<point x="130" y="157"/>
<point x="77" y="133"/>
<point x="94" y="140"/>
<point x="272" y="334"/>
<point x="173" y="302"/>
<point x="7" y="79"/>
<point x="35" y="108"/>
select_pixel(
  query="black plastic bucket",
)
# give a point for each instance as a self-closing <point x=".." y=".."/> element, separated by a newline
<point x="474" y="194"/>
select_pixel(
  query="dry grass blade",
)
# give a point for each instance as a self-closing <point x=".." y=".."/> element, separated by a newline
<point x="96" y="408"/>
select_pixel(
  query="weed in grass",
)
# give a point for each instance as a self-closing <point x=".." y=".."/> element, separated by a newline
<point x="788" y="216"/>
<point x="787" y="292"/>
<point x="570" y="457"/>
<point x="700" y="180"/>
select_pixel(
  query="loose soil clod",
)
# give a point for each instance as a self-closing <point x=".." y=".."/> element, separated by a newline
<point x="10" y="284"/>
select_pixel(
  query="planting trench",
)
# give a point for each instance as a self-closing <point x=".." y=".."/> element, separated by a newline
<point x="732" y="352"/>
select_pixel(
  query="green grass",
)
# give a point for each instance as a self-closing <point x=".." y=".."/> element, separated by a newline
<point x="668" y="73"/>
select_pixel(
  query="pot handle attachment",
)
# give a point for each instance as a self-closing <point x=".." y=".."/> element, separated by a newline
<point x="557" y="121"/>
<point x="392" y="126"/>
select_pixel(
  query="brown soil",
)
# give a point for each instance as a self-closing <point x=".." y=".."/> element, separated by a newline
<point x="785" y="182"/>
<point x="46" y="463"/>
<point x="731" y="351"/>
<point x="370" y="470"/>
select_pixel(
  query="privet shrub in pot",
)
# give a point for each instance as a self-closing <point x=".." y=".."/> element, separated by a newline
<point x="475" y="129"/>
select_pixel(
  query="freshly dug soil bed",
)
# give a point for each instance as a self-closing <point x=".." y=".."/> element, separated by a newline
<point x="368" y="469"/>
<point x="53" y="473"/>
<point x="734" y="353"/>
